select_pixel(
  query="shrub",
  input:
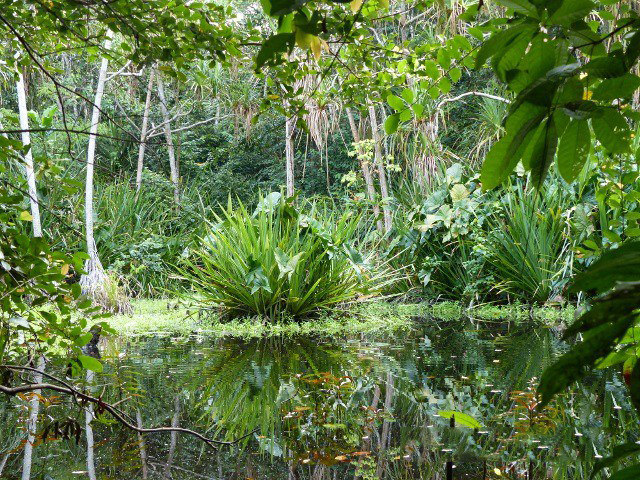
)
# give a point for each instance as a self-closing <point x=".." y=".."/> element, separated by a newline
<point x="528" y="246"/>
<point x="278" y="261"/>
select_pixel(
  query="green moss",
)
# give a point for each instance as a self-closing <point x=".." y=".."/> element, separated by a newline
<point x="165" y="316"/>
<point x="168" y="317"/>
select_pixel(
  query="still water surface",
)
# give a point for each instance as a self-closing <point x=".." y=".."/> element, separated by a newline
<point x="371" y="406"/>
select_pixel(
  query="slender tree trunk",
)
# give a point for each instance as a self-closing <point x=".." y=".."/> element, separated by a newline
<point x="143" y="132"/>
<point x="366" y="173"/>
<point x="290" y="125"/>
<point x="175" y="421"/>
<point x="169" y="137"/>
<point x="88" y="418"/>
<point x="143" y="446"/>
<point x="93" y="281"/>
<point x="216" y="122"/>
<point x="32" y="423"/>
<point x="381" y="169"/>
<point x="28" y="158"/>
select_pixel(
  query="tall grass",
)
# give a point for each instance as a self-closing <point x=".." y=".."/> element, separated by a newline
<point x="278" y="261"/>
<point x="529" y="245"/>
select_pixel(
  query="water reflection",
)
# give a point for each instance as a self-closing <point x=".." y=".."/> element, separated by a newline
<point x="356" y="407"/>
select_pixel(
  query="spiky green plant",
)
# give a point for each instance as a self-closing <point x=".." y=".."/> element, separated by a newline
<point x="278" y="261"/>
<point x="529" y="248"/>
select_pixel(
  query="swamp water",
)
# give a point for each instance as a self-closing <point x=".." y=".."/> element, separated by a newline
<point x="368" y="406"/>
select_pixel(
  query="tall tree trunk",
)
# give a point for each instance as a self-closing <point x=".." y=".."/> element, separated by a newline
<point x="175" y="422"/>
<point x="143" y="132"/>
<point x="88" y="418"/>
<point x="94" y="280"/>
<point x="28" y="158"/>
<point x="290" y="126"/>
<point x="381" y="169"/>
<point x="173" y="166"/>
<point x="32" y="423"/>
<point x="366" y="173"/>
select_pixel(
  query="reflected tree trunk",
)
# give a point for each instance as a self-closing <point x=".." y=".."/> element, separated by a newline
<point x="385" y="439"/>
<point x="175" y="422"/>
<point x="88" y="418"/>
<point x="384" y="190"/>
<point x="366" y="443"/>
<point x="173" y="166"/>
<point x="142" y="446"/>
<point x="143" y="132"/>
<point x="366" y="172"/>
<point x="28" y="158"/>
<point x="32" y="423"/>
<point x="3" y="461"/>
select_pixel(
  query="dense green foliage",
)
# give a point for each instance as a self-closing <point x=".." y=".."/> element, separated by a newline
<point x="279" y="261"/>
<point x="377" y="116"/>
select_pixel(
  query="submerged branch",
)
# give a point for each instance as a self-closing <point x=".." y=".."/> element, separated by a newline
<point x="67" y="389"/>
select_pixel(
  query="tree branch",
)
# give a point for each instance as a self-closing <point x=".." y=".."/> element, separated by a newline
<point x="474" y="94"/>
<point x="109" y="408"/>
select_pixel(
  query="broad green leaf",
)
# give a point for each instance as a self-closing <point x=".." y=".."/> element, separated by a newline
<point x="90" y="363"/>
<point x="499" y="40"/>
<point x="458" y="192"/>
<point x="618" y="303"/>
<point x="570" y="11"/>
<point x="26" y="216"/>
<point x="629" y="473"/>
<point x="444" y="58"/>
<point x="274" y="46"/>
<point x="405" y="115"/>
<point x="391" y="123"/>
<point x="572" y="365"/>
<point x="573" y="150"/>
<point x="505" y="154"/>
<point x="619" y="452"/>
<point x="542" y="152"/>
<point x="619" y="265"/>
<point x="455" y="74"/>
<point x="521" y="6"/>
<point x="461" y="419"/>
<point x="407" y="94"/>
<point x="618" y="87"/>
<point x="606" y="67"/>
<point x="612" y="130"/>
<point x="395" y="102"/>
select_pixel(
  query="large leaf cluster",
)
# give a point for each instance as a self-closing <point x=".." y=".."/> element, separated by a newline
<point x="572" y="79"/>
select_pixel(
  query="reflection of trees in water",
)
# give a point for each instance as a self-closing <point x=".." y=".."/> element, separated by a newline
<point x="387" y="428"/>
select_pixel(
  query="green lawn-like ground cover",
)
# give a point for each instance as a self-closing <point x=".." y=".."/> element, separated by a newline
<point x="165" y="316"/>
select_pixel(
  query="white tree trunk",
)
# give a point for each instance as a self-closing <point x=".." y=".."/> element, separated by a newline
<point x="290" y="128"/>
<point x="167" y="131"/>
<point x="88" y="418"/>
<point x="143" y="132"/>
<point x="32" y="423"/>
<point x="381" y="169"/>
<point x="28" y="158"/>
<point x="366" y="173"/>
<point x="175" y="423"/>
<point x="143" y="446"/>
<point x="94" y="279"/>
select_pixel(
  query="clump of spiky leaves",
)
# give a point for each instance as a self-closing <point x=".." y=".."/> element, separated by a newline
<point x="279" y="262"/>
<point x="529" y="248"/>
